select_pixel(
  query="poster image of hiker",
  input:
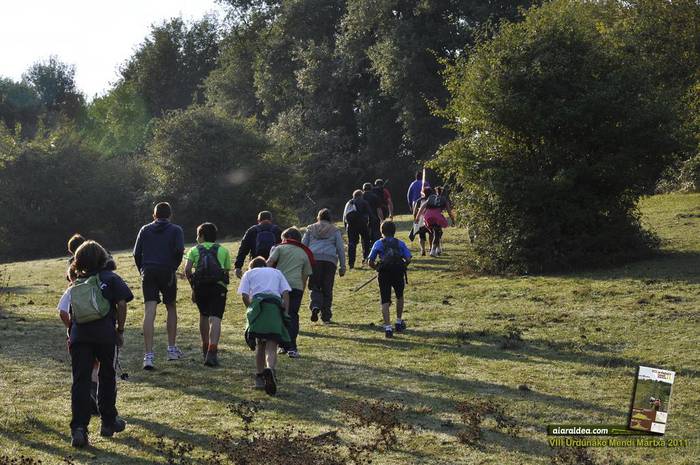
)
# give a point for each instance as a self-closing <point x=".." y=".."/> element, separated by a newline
<point x="652" y="394"/>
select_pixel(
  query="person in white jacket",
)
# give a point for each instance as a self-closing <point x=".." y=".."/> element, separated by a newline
<point x="326" y="242"/>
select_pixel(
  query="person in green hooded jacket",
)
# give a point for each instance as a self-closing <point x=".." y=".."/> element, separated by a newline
<point x="265" y="292"/>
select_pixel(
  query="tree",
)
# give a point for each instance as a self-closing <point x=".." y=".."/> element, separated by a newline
<point x="117" y="124"/>
<point x="560" y="132"/>
<point x="170" y="66"/>
<point x="212" y="169"/>
<point x="19" y="105"/>
<point x="53" y="186"/>
<point x="54" y="82"/>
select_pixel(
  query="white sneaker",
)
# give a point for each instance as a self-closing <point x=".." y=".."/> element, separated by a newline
<point x="148" y="361"/>
<point x="174" y="353"/>
<point x="433" y="252"/>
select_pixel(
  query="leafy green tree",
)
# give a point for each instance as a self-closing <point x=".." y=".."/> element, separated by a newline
<point x="19" y="105"/>
<point x="54" y="82"/>
<point x="117" y="124"/>
<point x="212" y="169"/>
<point x="53" y="186"/>
<point x="169" y="68"/>
<point x="560" y="132"/>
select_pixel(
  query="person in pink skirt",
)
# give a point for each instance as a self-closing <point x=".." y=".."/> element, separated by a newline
<point x="431" y="210"/>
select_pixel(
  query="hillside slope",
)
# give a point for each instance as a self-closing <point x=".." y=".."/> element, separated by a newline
<point x="581" y="337"/>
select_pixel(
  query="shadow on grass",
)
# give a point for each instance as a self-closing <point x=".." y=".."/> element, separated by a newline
<point x="459" y="342"/>
<point x="90" y="453"/>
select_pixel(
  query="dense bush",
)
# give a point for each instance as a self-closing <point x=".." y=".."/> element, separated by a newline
<point x="211" y="168"/>
<point x="560" y="132"/>
<point x="52" y="187"/>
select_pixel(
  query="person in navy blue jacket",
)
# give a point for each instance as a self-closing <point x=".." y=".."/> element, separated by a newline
<point x="158" y="252"/>
<point x="95" y="340"/>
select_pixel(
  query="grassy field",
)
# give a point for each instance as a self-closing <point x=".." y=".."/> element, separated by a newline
<point x="582" y="336"/>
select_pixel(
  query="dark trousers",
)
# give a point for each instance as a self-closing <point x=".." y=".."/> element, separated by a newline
<point x="83" y="356"/>
<point x="355" y="233"/>
<point x="374" y="232"/>
<point x="294" y="306"/>
<point x="321" y="285"/>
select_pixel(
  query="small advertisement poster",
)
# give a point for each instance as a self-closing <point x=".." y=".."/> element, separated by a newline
<point x="650" y="403"/>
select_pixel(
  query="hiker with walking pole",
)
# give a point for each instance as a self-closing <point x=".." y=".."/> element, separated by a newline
<point x="94" y="308"/>
<point x="392" y="274"/>
<point x="431" y="211"/>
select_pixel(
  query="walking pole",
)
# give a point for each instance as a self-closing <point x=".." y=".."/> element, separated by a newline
<point x="360" y="287"/>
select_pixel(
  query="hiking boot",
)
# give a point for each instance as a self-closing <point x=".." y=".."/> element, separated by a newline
<point x="314" y="314"/>
<point x="211" y="359"/>
<point x="293" y="353"/>
<point x="148" y="361"/>
<point x="388" y="332"/>
<point x="400" y="326"/>
<point x="79" y="437"/>
<point x="259" y="381"/>
<point x="268" y="375"/>
<point x="174" y="353"/>
<point x="108" y="429"/>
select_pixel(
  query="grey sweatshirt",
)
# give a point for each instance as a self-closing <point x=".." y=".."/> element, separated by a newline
<point x="326" y="242"/>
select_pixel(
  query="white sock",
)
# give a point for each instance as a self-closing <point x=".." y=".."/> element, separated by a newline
<point x="399" y="321"/>
<point x="388" y="328"/>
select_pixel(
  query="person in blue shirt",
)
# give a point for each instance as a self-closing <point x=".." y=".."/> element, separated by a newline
<point x="415" y="190"/>
<point x="394" y="258"/>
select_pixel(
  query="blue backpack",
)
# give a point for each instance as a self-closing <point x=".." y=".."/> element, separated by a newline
<point x="265" y="239"/>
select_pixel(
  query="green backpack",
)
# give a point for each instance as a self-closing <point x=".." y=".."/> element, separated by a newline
<point x="86" y="300"/>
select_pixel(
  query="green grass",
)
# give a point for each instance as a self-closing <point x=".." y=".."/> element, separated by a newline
<point x="583" y="335"/>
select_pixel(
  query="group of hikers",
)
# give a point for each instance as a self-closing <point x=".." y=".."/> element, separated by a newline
<point x="283" y="263"/>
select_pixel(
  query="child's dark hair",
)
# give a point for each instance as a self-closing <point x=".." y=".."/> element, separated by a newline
<point x="257" y="262"/>
<point x="90" y="258"/>
<point x="388" y="228"/>
<point x="264" y="216"/>
<point x="292" y="233"/>
<point x="163" y="210"/>
<point x="207" y="231"/>
<point x="74" y="242"/>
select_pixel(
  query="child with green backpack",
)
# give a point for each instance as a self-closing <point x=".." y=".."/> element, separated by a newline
<point x="94" y="310"/>
<point x="394" y="258"/>
<point x="207" y="269"/>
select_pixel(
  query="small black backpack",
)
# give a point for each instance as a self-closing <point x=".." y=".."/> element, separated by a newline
<point x="208" y="270"/>
<point x="392" y="260"/>
<point x="265" y="240"/>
